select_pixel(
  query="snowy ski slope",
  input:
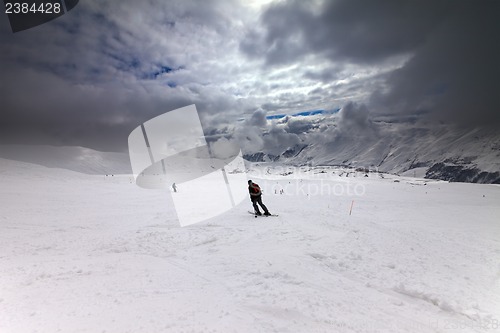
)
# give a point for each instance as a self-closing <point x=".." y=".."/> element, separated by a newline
<point x="83" y="253"/>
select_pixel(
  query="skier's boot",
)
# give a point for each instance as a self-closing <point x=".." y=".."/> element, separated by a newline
<point x="267" y="213"/>
<point x="258" y="213"/>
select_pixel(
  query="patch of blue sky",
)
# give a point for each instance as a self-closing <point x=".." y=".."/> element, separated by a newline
<point x="163" y="70"/>
<point x="303" y="113"/>
<point x="309" y="113"/>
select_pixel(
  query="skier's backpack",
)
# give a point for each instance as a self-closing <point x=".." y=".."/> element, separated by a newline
<point x="255" y="189"/>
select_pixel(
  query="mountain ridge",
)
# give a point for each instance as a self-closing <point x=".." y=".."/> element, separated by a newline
<point x="451" y="154"/>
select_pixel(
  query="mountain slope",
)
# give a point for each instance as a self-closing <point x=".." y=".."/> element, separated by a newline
<point x="439" y="153"/>
<point x="80" y="159"/>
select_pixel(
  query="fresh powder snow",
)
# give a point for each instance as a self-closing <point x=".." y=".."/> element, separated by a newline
<point x="349" y="252"/>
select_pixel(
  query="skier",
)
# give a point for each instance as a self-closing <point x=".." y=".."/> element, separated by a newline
<point x="256" y="197"/>
<point x="174" y="187"/>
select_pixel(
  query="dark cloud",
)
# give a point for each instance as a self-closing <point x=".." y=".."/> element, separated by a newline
<point x="258" y="118"/>
<point x="452" y="51"/>
<point x="355" y="30"/>
<point x="455" y="73"/>
<point x="354" y="118"/>
<point x="351" y="127"/>
<point x="91" y="76"/>
<point x="257" y="134"/>
<point x="299" y="125"/>
<point x="277" y="139"/>
<point x="325" y="76"/>
<point x="43" y="108"/>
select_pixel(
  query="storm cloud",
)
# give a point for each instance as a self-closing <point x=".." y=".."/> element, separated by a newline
<point x="439" y="56"/>
<point x="455" y="72"/>
<point x="91" y="76"/>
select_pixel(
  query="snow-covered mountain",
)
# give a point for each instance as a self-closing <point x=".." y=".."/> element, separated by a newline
<point x="80" y="159"/>
<point x="404" y="148"/>
<point x="442" y="152"/>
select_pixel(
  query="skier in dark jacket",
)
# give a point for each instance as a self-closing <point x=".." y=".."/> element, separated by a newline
<point x="256" y="197"/>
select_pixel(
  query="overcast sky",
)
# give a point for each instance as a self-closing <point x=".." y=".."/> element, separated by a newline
<point x="91" y="76"/>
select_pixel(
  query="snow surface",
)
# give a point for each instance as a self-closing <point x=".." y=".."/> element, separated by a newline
<point x="83" y="253"/>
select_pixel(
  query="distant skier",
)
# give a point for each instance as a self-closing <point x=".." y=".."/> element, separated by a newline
<point x="174" y="187"/>
<point x="256" y="197"/>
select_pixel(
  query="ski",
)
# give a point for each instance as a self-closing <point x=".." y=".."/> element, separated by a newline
<point x="261" y="215"/>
